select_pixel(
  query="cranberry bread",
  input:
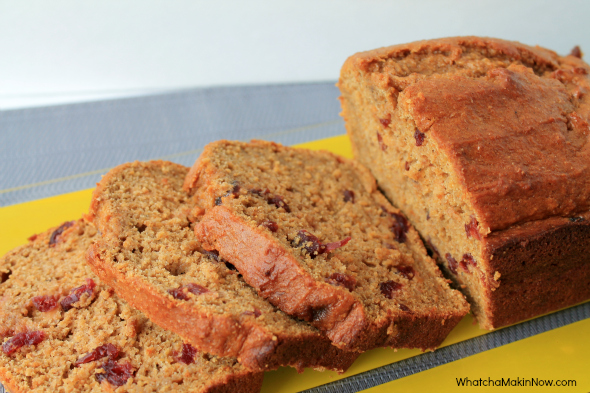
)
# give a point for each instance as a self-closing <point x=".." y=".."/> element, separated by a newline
<point x="62" y="330"/>
<point x="483" y="144"/>
<point x="311" y="232"/>
<point x="149" y="254"/>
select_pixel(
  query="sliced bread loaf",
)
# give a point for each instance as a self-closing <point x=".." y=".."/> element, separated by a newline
<point x="62" y="330"/>
<point x="150" y="256"/>
<point x="313" y="234"/>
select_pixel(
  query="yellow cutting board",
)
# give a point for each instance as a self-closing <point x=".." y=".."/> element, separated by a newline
<point x="18" y="222"/>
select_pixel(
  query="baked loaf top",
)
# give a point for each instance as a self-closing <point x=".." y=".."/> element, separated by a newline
<point x="151" y="257"/>
<point x="311" y="232"/>
<point x="52" y="305"/>
<point x="511" y="119"/>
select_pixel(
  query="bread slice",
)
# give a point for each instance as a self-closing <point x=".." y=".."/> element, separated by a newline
<point x="484" y="144"/>
<point x="150" y="256"/>
<point x="311" y="232"/>
<point x="52" y="305"/>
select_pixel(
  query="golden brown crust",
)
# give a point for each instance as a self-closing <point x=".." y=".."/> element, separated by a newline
<point x="494" y="129"/>
<point x="276" y="272"/>
<point x="258" y="343"/>
<point x="481" y="122"/>
<point x="484" y="145"/>
<point x="454" y="47"/>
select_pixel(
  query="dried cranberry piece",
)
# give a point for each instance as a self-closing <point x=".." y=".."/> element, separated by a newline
<point x="389" y="287"/>
<point x="276" y="200"/>
<point x="452" y="263"/>
<point x="407" y="166"/>
<point x="235" y="191"/>
<point x="471" y="229"/>
<point x="115" y="373"/>
<point x="256" y="313"/>
<point x="343" y="280"/>
<point x="98" y="353"/>
<point x="348" y="196"/>
<point x="187" y="355"/>
<point x="400" y="227"/>
<point x="22" y="339"/>
<point x="33" y="238"/>
<point x="312" y="245"/>
<point x="76" y="294"/>
<point x="382" y="145"/>
<point x="576" y="51"/>
<point x="45" y="303"/>
<point x="270" y="225"/>
<point x="419" y="136"/>
<point x="328" y="248"/>
<point x="405" y="308"/>
<point x="406" y="271"/>
<point x="385" y="122"/>
<point x="279" y="202"/>
<point x="180" y="294"/>
<point x="466" y="261"/>
<point x="55" y="235"/>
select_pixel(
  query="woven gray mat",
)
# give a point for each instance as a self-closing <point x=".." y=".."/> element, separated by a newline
<point x="55" y="150"/>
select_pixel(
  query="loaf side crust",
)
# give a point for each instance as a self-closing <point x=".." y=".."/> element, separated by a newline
<point x="544" y="266"/>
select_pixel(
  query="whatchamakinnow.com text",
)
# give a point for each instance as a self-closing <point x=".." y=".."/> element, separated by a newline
<point x="534" y="382"/>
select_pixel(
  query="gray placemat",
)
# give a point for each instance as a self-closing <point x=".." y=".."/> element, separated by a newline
<point x="55" y="150"/>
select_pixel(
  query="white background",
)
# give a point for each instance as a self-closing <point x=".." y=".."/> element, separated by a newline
<point x="66" y="51"/>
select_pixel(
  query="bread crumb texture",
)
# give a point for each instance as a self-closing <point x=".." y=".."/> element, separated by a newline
<point x="311" y="231"/>
<point x="151" y="257"/>
<point x="134" y="355"/>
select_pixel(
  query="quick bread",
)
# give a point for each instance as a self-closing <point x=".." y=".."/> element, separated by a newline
<point x="483" y="144"/>
<point x="62" y="330"/>
<point x="150" y="256"/>
<point x="311" y="232"/>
